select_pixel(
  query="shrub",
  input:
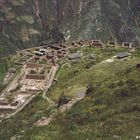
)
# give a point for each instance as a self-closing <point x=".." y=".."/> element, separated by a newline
<point x="112" y="85"/>
<point x="121" y="92"/>
<point x="90" y="90"/>
<point x="120" y="83"/>
<point x="131" y="108"/>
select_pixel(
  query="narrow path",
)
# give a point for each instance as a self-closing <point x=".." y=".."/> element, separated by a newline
<point x="45" y="121"/>
<point x="21" y="107"/>
<point x="61" y="68"/>
<point x="51" y="78"/>
<point x="12" y="83"/>
<point x="49" y="100"/>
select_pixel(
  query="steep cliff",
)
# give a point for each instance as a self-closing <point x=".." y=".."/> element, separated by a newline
<point x="26" y="23"/>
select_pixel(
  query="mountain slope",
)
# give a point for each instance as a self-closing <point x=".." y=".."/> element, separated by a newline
<point x="110" y="111"/>
<point x="27" y="23"/>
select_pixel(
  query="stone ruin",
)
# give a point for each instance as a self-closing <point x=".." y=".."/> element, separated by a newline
<point x="126" y="45"/>
<point x="111" y="43"/>
<point x="62" y="45"/>
<point x="96" y="43"/>
<point x="138" y="66"/>
<point x="33" y="65"/>
<point x="7" y="107"/>
<point x="76" y="44"/>
<point x="36" y="71"/>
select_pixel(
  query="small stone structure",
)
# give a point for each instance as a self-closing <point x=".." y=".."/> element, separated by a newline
<point x="126" y="45"/>
<point x="73" y="43"/>
<point x="36" y="71"/>
<point x="33" y="65"/>
<point x="44" y="51"/>
<point x="111" y="43"/>
<point x="55" y="47"/>
<point x="122" y="55"/>
<point x="96" y="43"/>
<point x="49" y="56"/>
<point x="62" y="45"/>
<point x="59" y="51"/>
<point x="3" y="102"/>
<point x="35" y="76"/>
<point x="75" y="46"/>
<point x="6" y="107"/>
<point x="12" y="70"/>
<point x="38" y="53"/>
<point x="15" y="103"/>
<point x="80" y="43"/>
<point x="60" y="55"/>
<point x="6" y="110"/>
<point x="63" y="100"/>
<point x="138" y="66"/>
<point x="74" y="56"/>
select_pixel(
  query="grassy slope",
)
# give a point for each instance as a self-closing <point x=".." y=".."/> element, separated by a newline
<point x="3" y="67"/>
<point x="113" y="109"/>
<point x="5" y="64"/>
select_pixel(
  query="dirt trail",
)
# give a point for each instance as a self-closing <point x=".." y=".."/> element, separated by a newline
<point x="49" y="84"/>
<point x="79" y="96"/>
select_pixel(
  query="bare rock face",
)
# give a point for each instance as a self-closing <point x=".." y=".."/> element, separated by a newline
<point x="122" y="18"/>
<point x="27" y="23"/>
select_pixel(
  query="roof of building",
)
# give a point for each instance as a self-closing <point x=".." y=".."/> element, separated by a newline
<point x="96" y="41"/>
<point x="111" y="42"/>
<point x="127" y="44"/>
<point x="74" y="56"/>
<point x="92" y="56"/>
<point x="39" y="53"/>
<point x="122" y="54"/>
<point x="55" y="47"/>
<point x="12" y="70"/>
<point x="44" y="50"/>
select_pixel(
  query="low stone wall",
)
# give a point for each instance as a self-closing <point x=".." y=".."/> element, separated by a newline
<point x="6" y="110"/>
<point x="34" y="65"/>
<point x="111" y="43"/>
<point x="35" y="76"/>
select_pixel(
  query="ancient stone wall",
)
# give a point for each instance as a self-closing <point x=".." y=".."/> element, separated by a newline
<point x="35" y="76"/>
<point x="34" y="65"/>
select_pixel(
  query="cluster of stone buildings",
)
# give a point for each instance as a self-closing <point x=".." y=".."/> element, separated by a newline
<point x="51" y="53"/>
<point x="7" y="106"/>
<point x="34" y="74"/>
<point x="32" y="79"/>
<point x="98" y="43"/>
<point x="35" y="71"/>
<point x="74" y="57"/>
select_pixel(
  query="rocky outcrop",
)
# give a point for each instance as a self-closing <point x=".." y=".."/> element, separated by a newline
<point x="27" y="23"/>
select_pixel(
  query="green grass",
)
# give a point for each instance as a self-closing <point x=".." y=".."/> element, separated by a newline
<point x="113" y="109"/>
<point x="5" y="64"/>
<point x="3" y="69"/>
<point x="24" y="120"/>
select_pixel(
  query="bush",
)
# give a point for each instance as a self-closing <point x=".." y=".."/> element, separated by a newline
<point x="121" y="92"/>
<point x="131" y="108"/>
<point x="120" y="83"/>
<point x="112" y="85"/>
<point x="130" y="82"/>
<point x="90" y="90"/>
